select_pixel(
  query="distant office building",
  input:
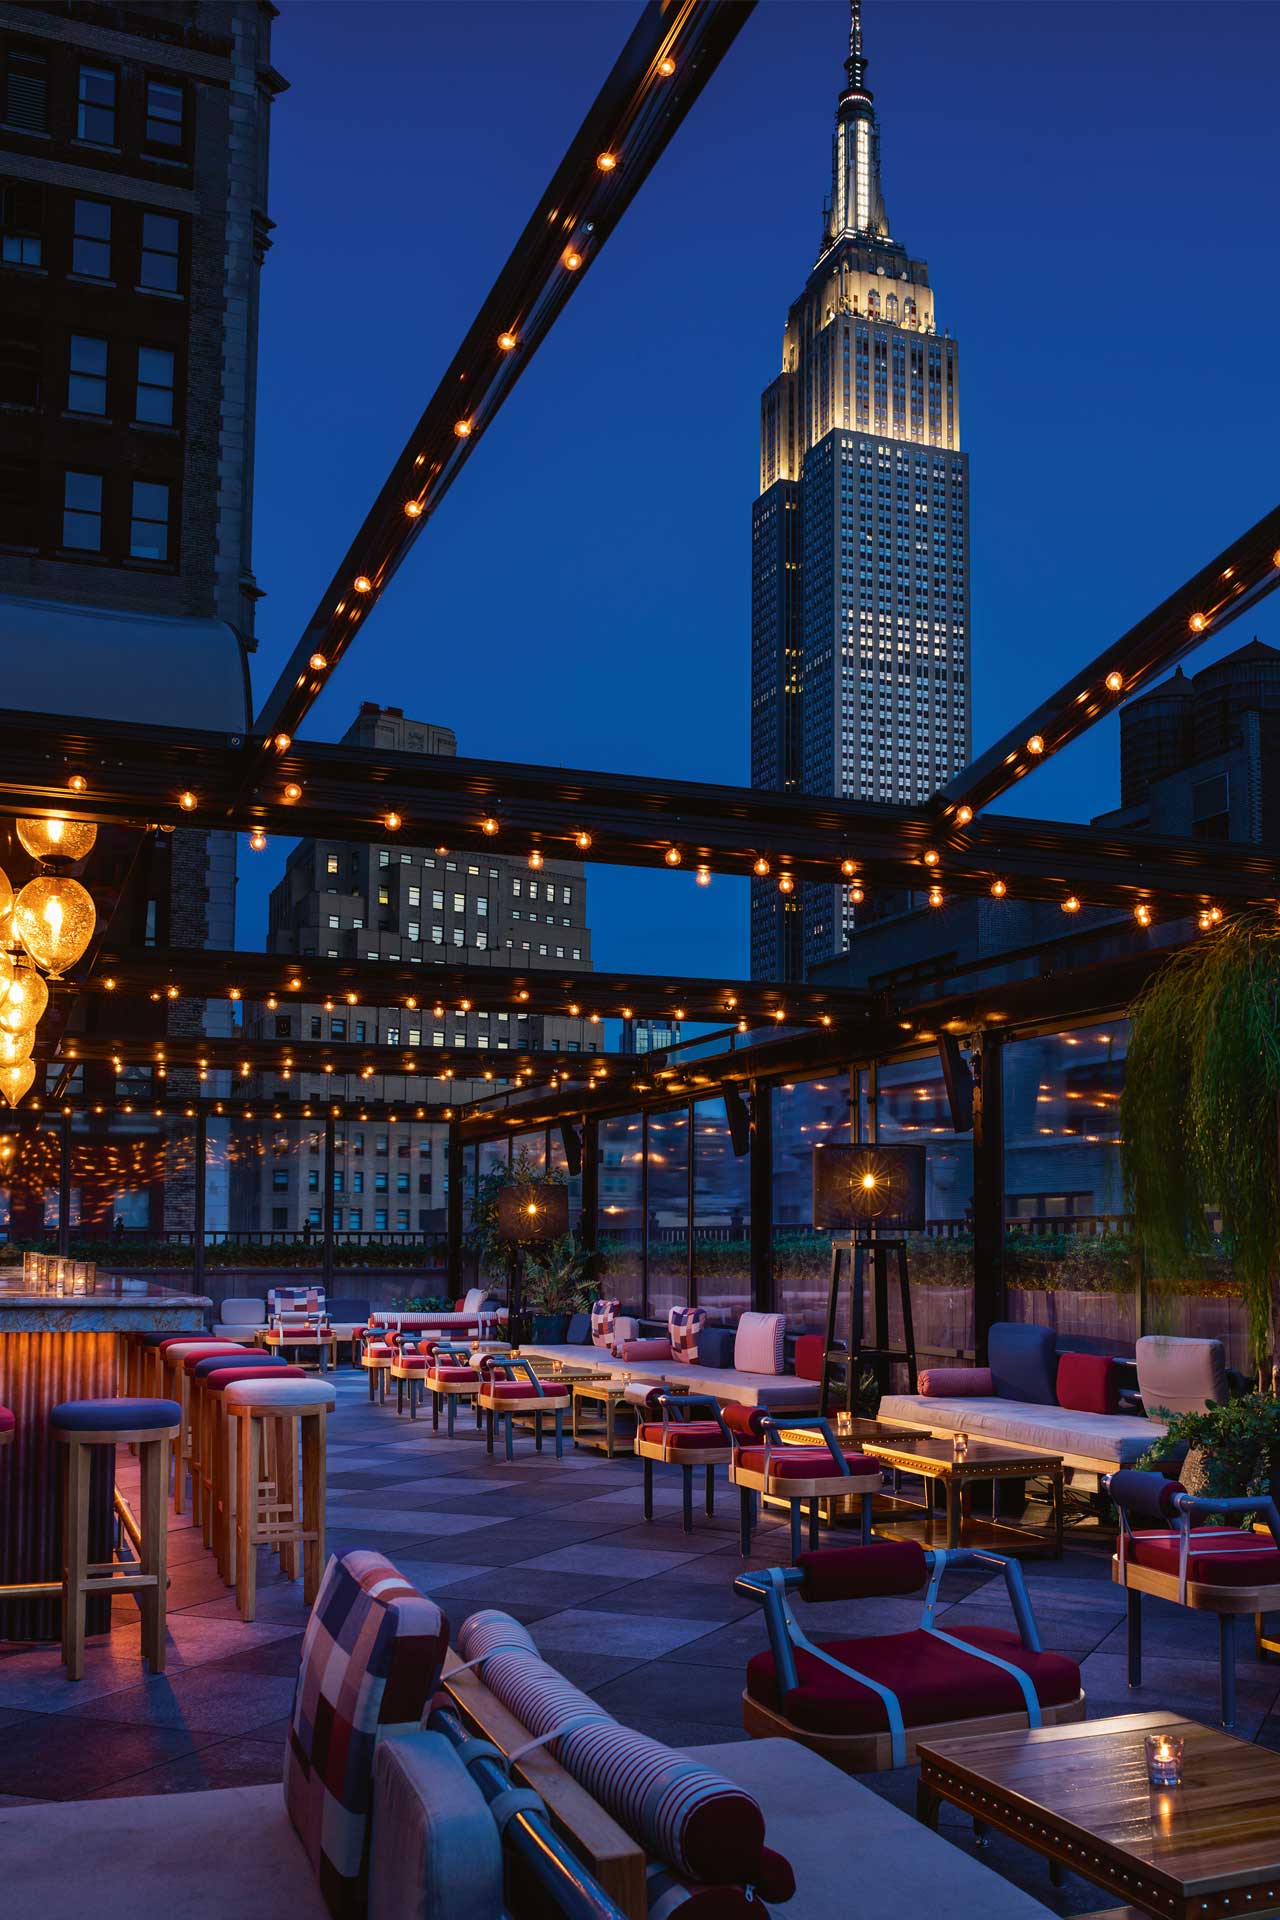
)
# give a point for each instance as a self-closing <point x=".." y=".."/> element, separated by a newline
<point x="860" y="539"/>
<point x="648" y="1036"/>
<point x="133" y="226"/>
<point x="421" y="907"/>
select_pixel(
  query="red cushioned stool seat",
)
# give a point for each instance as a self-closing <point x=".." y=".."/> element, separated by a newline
<point x="379" y="1350"/>
<point x="455" y="1376"/>
<point x="419" y="1360"/>
<point x="689" y="1435"/>
<point x="1219" y="1556"/>
<point x="7" y="1421"/>
<point x="934" y="1682"/>
<point x="516" y="1390"/>
<point x="802" y="1463"/>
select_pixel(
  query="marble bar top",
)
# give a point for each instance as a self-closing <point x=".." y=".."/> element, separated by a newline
<point x="109" y="1303"/>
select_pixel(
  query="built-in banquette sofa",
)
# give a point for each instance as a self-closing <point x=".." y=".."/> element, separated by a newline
<point x="1035" y="1393"/>
<point x="755" y="1362"/>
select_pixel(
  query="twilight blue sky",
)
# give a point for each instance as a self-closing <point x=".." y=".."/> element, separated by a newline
<point x="1094" y="188"/>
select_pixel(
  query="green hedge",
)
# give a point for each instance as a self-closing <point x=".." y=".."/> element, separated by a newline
<point x="281" y="1255"/>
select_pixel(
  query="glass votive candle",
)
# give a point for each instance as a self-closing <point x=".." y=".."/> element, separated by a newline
<point x="1164" y="1759"/>
<point x="960" y="1446"/>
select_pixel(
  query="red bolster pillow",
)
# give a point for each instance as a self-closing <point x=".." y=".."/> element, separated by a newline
<point x="643" y="1350"/>
<point x="810" y="1348"/>
<point x="863" y="1573"/>
<point x="746" y="1422"/>
<point x="1088" y="1383"/>
<point x="956" y="1383"/>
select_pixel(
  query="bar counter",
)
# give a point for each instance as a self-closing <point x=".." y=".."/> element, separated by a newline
<point x="58" y="1343"/>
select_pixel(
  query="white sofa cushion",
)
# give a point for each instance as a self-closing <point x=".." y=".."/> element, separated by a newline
<point x="782" y="1390"/>
<point x="757" y="1345"/>
<point x="1109" y="1440"/>
<point x="243" y="1313"/>
<point x="1178" y="1375"/>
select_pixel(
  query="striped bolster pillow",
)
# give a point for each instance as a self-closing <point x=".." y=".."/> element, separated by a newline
<point x="691" y="1818"/>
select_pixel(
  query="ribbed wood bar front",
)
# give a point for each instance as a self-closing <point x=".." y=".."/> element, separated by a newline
<point x="58" y="1345"/>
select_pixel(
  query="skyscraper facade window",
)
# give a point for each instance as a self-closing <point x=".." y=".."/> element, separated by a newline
<point x="860" y="539"/>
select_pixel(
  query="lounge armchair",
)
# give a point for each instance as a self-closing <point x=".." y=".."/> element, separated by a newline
<point x="1222" y="1570"/>
<point x="865" y="1703"/>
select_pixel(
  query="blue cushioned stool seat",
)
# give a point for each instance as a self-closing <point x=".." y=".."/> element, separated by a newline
<point x="127" y="1416"/>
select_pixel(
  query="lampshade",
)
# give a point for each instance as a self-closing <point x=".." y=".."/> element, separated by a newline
<point x="15" y="1081"/>
<point x="57" y="838"/>
<point x="25" y="1001"/>
<point x="16" y="1047"/>
<point x="6" y="896"/>
<point x="55" y="918"/>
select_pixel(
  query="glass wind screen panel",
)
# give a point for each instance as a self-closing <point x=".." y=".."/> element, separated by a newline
<point x="913" y="1110"/>
<point x="558" y="1163"/>
<point x="620" y="1222"/>
<point x="470" y="1157"/>
<point x="806" y="1114"/>
<point x="532" y="1147"/>
<point x="1069" y="1257"/>
<point x="668" y="1237"/>
<point x="721" y="1217"/>
<point x="494" y="1154"/>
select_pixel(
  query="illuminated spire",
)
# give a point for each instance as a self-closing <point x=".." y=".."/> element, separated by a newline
<point x="856" y="205"/>
<point x="855" y="66"/>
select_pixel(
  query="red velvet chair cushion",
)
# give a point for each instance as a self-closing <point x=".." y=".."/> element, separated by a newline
<point x="522" y="1390"/>
<point x="691" y="1434"/>
<point x="860" y="1573"/>
<point x="1219" y="1556"/>
<point x="933" y="1681"/>
<point x="379" y="1350"/>
<point x="455" y="1376"/>
<point x="1088" y="1383"/>
<point x="410" y="1362"/>
<point x="802" y="1463"/>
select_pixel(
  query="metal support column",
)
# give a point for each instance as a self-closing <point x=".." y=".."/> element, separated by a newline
<point x="760" y="1190"/>
<point x="326" y="1212"/>
<point x="201" y="1171"/>
<point x="988" y="1189"/>
<point x="590" y="1183"/>
<point x="454" y="1214"/>
<point x="64" y="1187"/>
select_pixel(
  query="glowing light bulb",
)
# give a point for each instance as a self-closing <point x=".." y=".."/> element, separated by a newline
<point x="393" y="823"/>
<point x="413" y="508"/>
<point x="188" y="802"/>
<point x="572" y="259"/>
<point x="463" y="429"/>
<point x="999" y="889"/>
<point x="760" y="866"/>
<point x="1071" y="904"/>
<point x="935" y="896"/>
<point x="963" y="816"/>
<point x="57" y="838"/>
<point x="362" y="583"/>
<point x="54" y="918"/>
<point x="1203" y="921"/>
<point x="508" y="342"/>
<point x="257" y="839"/>
<point x="582" y="841"/>
<point x="931" y="858"/>
<point x="606" y="162"/>
<point x="1114" y="682"/>
<point x="293" y="792"/>
<point x="1198" y="622"/>
<point x="535" y="858"/>
<point x="667" y="66"/>
<point x="703" y="876"/>
<point x="318" y="663"/>
<point x="857" y="895"/>
<point x="77" y="783"/>
<point x="284" y="741"/>
<point x="23" y="1005"/>
<point x="869" y="1182"/>
<point x="1142" y="914"/>
<point x="489" y="826"/>
<point x="1036" y="743"/>
<point x="1215" y="915"/>
<point x="848" y="868"/>
<point x="673" y="856"/>
<point x="786" y="884"/>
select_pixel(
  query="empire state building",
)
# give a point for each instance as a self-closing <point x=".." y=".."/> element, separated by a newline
<point x="860" y="539"/>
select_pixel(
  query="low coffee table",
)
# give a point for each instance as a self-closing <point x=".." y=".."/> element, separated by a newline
<point x="595" y="1415"/>
<point x="1078" y="1794"/>
<point x="983" y="1461"/>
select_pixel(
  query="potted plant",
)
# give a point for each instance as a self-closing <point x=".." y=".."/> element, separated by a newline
<point x="558" y="1283"/>
<point x="1199" y="1113"/>
<point x="1229" y="1450"/>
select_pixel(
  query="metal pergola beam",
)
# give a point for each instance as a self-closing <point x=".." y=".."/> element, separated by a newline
<point x="673" y="51"/>
<point x="180" y="1052"/>
<point x="142" y="773"/>
<point x="1229" y="586"/>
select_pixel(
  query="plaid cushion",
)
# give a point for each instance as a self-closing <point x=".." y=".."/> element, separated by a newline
<point x="371" y="1656"/>
<point x="684" y="1324"/>
<point x="604" y="1313"/>
<point x="307" y="1300"/>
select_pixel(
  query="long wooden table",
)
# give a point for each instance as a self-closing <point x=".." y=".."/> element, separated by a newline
<point x="58" y="1344"/>
<point x="1207" y="1850"/>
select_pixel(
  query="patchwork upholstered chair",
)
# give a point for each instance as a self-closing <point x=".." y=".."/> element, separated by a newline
<point x="864" y="1703"/>
<point x="1222" y="1570"/>
<point x="763" y="1464"/>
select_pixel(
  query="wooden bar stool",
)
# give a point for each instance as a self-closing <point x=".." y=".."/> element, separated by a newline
<point x="508" y="1387"/>
<point x="173" y="1359"/>
<point x="148" y="1425"/>
<point x="219" y="1476"/>
<point x="200" y="1420"/>
<point x="270" y="1418"/>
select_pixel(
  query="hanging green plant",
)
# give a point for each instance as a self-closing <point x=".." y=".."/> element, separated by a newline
<point x="1198" y="1115"/>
